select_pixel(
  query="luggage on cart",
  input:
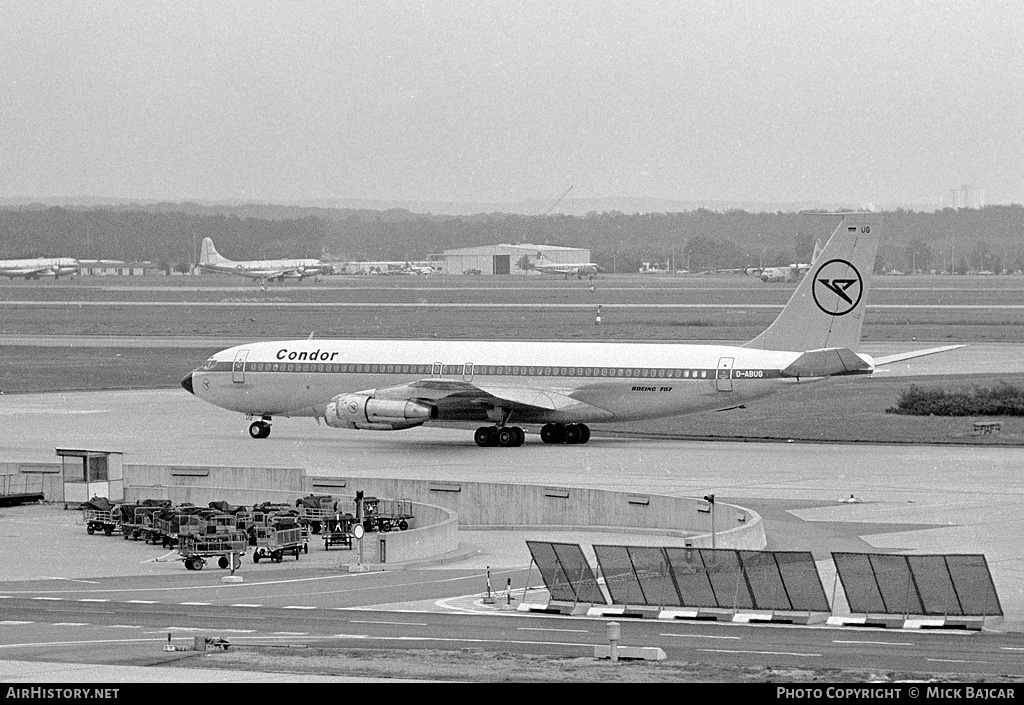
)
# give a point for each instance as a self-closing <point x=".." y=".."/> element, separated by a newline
<point x="98" y="514"/>
<point x="313" y="509"/>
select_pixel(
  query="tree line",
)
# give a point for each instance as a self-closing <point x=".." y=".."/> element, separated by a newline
<point x="961" y="240"/>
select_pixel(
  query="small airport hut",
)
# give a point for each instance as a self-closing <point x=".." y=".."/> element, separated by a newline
<point x="505" y="259"/>
<point x="91" y="473"/>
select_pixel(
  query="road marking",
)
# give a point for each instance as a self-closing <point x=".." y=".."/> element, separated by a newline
<point x="70" y="624"/>
<point x="955" y="660"/>
<point x="298" y="607"/>
<point x="182" y="629"/>
<point x="545" y="629"/>
<point x="125" y="626"/>
<point x="1012" y="648"/>
<point x="760" y="653"/>
<point x="880" y="643"/>
<point x="196" y="603"/>
<point x="48" y="598"/>
<point x="242" y="604"/>
<point x="405" y="624"/>
<point x="142" y="602"/>
<point x="13" y="622"/>
<point x="93" y="599"/>
<point x="700" y="636"/>
<point x="291" y="633"/>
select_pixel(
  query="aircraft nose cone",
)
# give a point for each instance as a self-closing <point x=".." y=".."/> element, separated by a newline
<point x="186" y="383"/>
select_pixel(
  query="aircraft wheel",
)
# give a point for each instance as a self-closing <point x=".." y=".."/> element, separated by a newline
<point x="259" y="429"/>
<point x="573" y="434"/>
<point x="586" y="433"/>
<point x="507" y="437"/>
<point x="520" y="436"/>
<point x="552" y="433"/>
<point x="485" y="436"/>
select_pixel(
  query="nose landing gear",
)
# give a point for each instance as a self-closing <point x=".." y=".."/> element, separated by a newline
<point x="260" y="429"/>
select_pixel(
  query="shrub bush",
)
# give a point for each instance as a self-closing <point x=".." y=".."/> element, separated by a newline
<point x="1001" y="399"/>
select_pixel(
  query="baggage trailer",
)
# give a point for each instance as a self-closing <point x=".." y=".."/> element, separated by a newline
<point x="99" y="520"/>
<point x="142" y="524"/>
<point x="386" y="514"/>
<point x="196" y="549"/>
<point x="315" y="509"/>
<point x="274" y="543"/>
<point x="338" y="531"/>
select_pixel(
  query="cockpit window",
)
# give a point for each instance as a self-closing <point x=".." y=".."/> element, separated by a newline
<point x="210" y="363"/>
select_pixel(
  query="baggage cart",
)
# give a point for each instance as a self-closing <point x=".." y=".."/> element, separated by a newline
<point x="314" y="509"/>
<point x="338" y="531"/>
<point x="386" y="514"/>
<point x="141" y="523"/>
<point x="275" y="543"/>
<point x="99" y="515"/>
<point x="196" y="549"/>
<point x="99" y="520"/>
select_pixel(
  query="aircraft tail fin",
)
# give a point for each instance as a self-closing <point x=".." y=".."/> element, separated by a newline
<point x="827" y="308"/>
<point x="208" y="253"/>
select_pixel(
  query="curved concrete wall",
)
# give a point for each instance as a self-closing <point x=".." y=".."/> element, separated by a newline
<point x="509" y="506"/>
<point x="477" y="505"/>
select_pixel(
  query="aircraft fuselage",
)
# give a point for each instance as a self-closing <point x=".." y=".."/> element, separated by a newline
<point x="300" y="377"/>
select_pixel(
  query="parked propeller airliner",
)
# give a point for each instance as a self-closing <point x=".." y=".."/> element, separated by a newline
<point x="264" y="270"/>
<point x="558" y="388"/>
<point x="55" y="267"/>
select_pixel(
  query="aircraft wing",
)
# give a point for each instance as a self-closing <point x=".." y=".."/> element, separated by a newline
<point x="900" y="357"/>
<point x="528" y="404"/>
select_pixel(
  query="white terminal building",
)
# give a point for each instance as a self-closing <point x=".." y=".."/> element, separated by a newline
<point x="509" y="259"/>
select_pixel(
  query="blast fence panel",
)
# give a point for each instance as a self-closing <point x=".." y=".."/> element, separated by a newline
<point x="973" y="584"/>
<point x="637" y="575"/>
<point x="765" y="581"/>
<point x="692" y="580"/>
<point x="958" y="585"/>
<point x="566" y="573"/>
<point x="803" y="584"/>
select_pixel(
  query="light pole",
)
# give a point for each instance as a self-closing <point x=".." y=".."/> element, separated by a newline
<point x="710" y="499"/>
<point x="913" y="269"/>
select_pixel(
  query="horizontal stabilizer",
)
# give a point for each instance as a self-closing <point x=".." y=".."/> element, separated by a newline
<point x="890" y="359"/>
<point x="827" y="362"/>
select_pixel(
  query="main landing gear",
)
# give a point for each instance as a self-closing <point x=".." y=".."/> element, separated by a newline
<point x="572" y="433"/>
<point x="260" y="429"/>
<point x="506" y="436"/>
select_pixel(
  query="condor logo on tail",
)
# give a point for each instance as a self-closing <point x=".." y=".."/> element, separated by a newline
<point x="837" y="287"/>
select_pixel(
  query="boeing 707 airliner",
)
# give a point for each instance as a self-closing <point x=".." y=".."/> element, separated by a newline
<point x="556" y="388"/>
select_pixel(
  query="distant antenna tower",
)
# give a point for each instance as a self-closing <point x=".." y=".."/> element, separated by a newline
<point x="558" y="200"/>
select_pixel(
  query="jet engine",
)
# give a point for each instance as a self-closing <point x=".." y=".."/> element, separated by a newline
<point x="358" y="411"/>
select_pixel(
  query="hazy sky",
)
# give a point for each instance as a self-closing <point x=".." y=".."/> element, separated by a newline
<point x="500" y="101"/>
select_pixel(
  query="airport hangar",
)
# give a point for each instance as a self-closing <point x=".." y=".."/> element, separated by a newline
<point x="506" y="259"/>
